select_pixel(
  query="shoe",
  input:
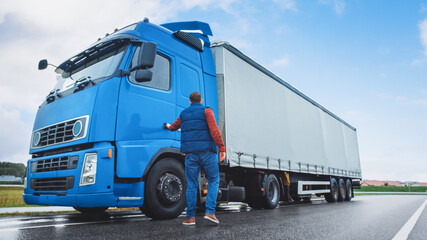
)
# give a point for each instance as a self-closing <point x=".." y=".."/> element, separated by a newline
<point x="211" y="218"/>
<point x="189" y="221"/>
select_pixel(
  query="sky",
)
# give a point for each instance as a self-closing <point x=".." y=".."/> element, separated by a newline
<point x="365" y="61"/>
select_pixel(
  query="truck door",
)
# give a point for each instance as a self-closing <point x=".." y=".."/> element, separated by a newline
<point x="143" y="108"/>
<point x="190" y="80"/>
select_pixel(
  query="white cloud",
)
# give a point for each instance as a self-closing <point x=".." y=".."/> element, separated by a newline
<point x="205" y="4"/>
<point x="286" y="4"/>
<point x="403" y="99"/>
<point x="423" y="34"/>
<point x="337" y="5"/>
<point x="418" y="62"/>
<point x="33" y="30"/>
<point x="281" y="62"/>
<point x="15" y="136"/>
<point x="422" y="102"/>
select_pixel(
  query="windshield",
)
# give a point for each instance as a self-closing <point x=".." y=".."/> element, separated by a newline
<point x="95" y="63"/>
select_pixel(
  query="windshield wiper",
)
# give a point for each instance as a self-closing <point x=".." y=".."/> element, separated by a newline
<point x="53" y="95"/>
<point x="82" y="83"/>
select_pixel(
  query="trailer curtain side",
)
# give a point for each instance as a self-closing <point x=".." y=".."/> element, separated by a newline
<point x="268" y="124"/>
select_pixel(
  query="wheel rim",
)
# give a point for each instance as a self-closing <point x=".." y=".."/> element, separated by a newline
<point x="170" y="189"/>
<point x="335" y="190"/>
<point x="273" y="192"/>
<point x="342" y="189"/>
<point x="349" y="191"/>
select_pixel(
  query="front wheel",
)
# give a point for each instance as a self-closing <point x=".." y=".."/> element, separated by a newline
<point x="165" y="190"/>
<point x="90" y="210"/>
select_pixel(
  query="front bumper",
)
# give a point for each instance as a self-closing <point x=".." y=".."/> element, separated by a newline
<point x="59" y="186"/>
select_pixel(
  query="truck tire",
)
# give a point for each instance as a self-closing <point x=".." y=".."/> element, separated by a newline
<point x="341" y="190"/>
<point x="272" y="192"/>
<point x="90" y="210"/>
<point x="332" y="196"/>
<point x="349" y="190"/>
<point x="271" y="196"/>
<point x="165" y="190"/>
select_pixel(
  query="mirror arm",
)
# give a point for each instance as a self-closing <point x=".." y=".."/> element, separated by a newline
<point x="52" y="65"/>
<point x="123" y="73"/>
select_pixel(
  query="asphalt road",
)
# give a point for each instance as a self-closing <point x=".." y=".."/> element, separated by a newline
<point x="366" y="217"/>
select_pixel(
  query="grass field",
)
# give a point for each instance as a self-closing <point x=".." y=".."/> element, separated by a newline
<point x="390" y="189"/>
<point x="12" y="197"/>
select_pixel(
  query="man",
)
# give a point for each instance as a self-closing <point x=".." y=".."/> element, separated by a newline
<point x="200" y="137"/>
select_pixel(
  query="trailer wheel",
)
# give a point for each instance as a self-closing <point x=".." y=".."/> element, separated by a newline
<point x="332" y="196"/>
<point x="165" y="190"/>
<point x="90" y="210"/>
<point x="272" y="192"/>
<point x="341" y="190"/>
<point x="349" y="190"/>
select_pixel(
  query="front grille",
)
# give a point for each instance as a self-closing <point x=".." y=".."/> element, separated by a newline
<point x="55" y="164"/>
<point x="58" y="133"/>
<point x="52" y="184"/>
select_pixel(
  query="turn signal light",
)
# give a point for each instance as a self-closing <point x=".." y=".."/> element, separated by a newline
<point x="110" y="153"/>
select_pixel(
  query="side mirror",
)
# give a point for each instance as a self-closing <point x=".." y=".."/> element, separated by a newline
<point x="143" y="75"/>
<point x="147" y="55"/>
<point x="42" y="64"/>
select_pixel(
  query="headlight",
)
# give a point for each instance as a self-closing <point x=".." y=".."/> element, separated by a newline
<point x="89" y="169"/>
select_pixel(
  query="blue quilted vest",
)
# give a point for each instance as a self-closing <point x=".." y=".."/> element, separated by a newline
<point x="195" y="134"/>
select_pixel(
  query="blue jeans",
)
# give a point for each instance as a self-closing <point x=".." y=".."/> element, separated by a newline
<point x="193" y="163"/>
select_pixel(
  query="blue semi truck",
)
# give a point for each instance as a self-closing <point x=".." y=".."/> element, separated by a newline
<point x="98" y="139"/>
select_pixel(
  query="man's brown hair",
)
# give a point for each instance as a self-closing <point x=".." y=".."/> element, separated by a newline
<point x="195" y="97"/>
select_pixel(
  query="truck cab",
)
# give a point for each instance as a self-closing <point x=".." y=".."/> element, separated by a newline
<point x="98" y="139"/>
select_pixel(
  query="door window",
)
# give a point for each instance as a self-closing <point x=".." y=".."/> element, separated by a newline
<point x="161" y="72"/>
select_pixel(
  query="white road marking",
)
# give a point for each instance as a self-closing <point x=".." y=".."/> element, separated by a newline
<point x="409" y="225"/>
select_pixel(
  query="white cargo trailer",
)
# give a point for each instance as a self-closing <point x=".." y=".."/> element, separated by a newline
<point x="270" y="126"/>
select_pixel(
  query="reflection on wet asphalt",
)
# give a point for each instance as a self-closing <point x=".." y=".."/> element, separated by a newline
<point x="367" y="217"/>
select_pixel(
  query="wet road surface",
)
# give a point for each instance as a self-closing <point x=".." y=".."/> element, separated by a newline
<point x="366" y="217"/>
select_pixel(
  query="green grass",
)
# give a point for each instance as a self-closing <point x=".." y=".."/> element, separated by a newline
<point x="388" y="193"/>
<point x="12" y="197"/>
<point x="390" y="189"/>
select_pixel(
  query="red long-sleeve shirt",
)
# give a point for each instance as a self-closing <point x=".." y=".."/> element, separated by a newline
<point x="213" y="128"/>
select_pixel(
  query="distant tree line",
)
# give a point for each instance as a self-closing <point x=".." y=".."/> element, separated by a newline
<point x="14" y="169"/>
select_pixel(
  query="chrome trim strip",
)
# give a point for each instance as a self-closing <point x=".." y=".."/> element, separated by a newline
<point x="129" y="198"/>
